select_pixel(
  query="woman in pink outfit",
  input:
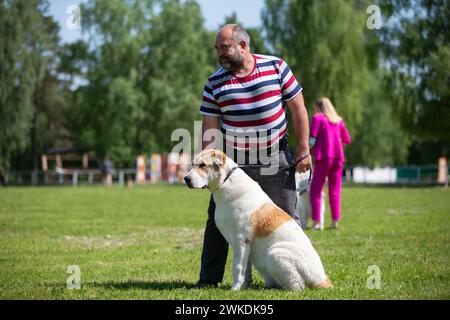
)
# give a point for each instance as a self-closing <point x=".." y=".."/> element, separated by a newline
<point x="328" y="135"/>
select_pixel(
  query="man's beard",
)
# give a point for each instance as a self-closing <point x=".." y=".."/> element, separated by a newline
<point x="232" y="63"/>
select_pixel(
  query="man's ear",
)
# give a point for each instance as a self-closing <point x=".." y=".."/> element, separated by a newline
<point x="243" y="44"/>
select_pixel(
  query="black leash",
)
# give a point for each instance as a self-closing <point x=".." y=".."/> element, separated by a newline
<point x="300" y="160"/>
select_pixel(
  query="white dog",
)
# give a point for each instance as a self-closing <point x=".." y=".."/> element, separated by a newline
<point x="304" y="212"/>
<point x="257" y="230"/>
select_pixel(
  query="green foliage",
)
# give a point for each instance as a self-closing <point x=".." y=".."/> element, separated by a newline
<point x="417" y="47"/>
<point x="334" y="54"/>
<point x="380" y="141"/>
<point x="24" y="49"/>
<point x="324" y="44"/>
<point x="178" y="67"/>
<point x="49" y="125"/>
<point x="146" y="74"/>
<point x="141" y="72"/>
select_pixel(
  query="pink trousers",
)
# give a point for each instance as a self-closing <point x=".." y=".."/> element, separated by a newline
<point x="331" y="168"/>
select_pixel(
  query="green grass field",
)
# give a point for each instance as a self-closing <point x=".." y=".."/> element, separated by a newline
<point x="145" y="243"/>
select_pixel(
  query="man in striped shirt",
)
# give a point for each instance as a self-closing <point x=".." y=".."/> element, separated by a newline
<point x="245" y="99"/>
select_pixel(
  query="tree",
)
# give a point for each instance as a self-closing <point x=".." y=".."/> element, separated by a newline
<point x="380" y="139"/>
<point x="325" y="44"/>
<point x="179" y="65"/>
<point x="334" y="53"/>
<point x="23" y="49"/>
<point x="48" y="124"/>
<point x="145" y="73"/>
<point x="417" y="49"/>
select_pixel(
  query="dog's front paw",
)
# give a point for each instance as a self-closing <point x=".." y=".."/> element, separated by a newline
<point x="238" y="283"/>
<point x="236" y="287"/>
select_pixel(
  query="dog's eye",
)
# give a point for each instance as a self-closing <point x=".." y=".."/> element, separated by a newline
<point x="201" y="165"/>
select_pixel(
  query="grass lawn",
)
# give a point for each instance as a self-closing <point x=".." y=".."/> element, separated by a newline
<point x="145" y="243"/>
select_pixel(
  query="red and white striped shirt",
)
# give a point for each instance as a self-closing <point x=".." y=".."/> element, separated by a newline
<point x="251" y="108"/>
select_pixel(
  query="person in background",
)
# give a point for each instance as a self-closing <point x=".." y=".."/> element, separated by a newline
<point x="328" y="134"/>
<point x="107" y="168"/>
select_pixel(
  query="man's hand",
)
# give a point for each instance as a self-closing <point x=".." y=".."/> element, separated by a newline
<point x="304" y="161"/>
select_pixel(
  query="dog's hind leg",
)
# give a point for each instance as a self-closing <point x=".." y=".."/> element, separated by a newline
<point x="283" y="270"/>
<point x="327" y="284"/>
<point x="269" y="282"/>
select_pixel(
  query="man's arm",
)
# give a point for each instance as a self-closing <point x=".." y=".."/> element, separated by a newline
<point x="301" y="128"/>
<point x="209" y="122"/>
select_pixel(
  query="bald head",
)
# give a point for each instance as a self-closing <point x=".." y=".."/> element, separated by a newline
<point x="235" y="32"/>
<point x="232" y="46"/>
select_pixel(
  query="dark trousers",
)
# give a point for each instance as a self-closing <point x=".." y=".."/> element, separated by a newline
<point x="280" y="187"/>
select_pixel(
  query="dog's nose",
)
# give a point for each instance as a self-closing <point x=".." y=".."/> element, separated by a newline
<point x="187" y="180"/>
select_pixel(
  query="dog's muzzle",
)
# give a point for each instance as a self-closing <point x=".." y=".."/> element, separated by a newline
<point x="188" y="182"/>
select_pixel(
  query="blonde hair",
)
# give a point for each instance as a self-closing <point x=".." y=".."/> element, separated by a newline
<point x="326" y="107"/>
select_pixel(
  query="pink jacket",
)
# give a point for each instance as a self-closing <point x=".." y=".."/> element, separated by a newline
<point x="329" y="138"/>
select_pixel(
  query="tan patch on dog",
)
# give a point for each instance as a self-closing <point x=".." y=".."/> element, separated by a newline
<point x="323" y="285"/>
<point x="201" y="172"/>
<point x="268" y="218"/>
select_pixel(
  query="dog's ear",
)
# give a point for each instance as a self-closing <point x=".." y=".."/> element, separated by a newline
<point x="218" y="157"/>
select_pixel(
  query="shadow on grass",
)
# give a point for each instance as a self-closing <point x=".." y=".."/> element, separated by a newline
<point x="157" y="285"/>
<point x="145" y="285"/>
<point x="150" y="285"/>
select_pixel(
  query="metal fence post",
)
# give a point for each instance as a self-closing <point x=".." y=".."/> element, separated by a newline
<point x="446" y="183"/>
<point x="121" y="178"/>
<point x="33" y="177"/>
<point x="90" y="177"/>
<point x="75" y="178"/>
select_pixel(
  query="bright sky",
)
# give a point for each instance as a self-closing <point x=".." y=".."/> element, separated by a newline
<point x="214" y="12"/>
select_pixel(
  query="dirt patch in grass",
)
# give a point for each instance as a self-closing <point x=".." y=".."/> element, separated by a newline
<point x="177" y="238"/>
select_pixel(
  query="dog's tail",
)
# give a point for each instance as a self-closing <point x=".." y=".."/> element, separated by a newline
<point x="324" y="284"/>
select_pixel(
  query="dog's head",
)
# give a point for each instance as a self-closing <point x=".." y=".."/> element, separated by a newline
<point x="208" y="170"/>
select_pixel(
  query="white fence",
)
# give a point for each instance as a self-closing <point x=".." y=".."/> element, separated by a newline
<point x="376" y="175"/>
<point x="66" y="177"/>
<point x="417" y="175"/>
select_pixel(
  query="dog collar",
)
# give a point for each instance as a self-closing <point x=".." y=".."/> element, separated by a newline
<point x="226" y="178"/>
